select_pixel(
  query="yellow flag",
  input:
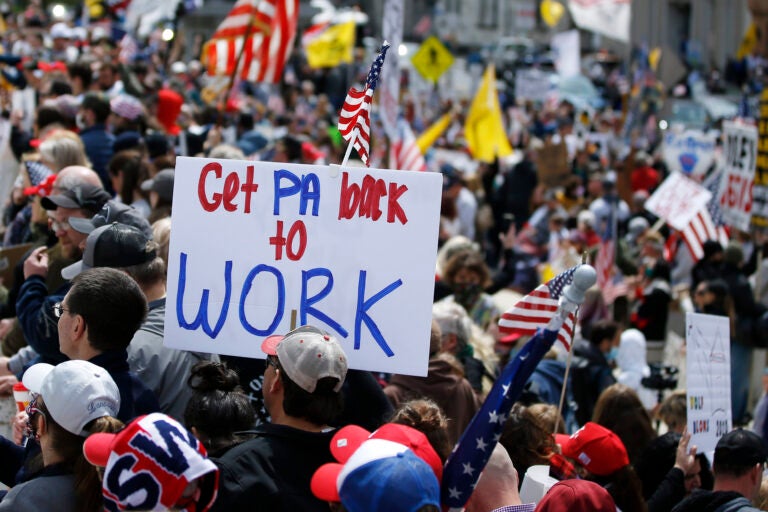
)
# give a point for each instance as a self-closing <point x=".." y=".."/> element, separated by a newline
<point x="654" y="56"/>
<point x="748" y="43"/>
<point x="332" y="47"/>
<point x="484" y="129"/>
<point x="427" y="139"/>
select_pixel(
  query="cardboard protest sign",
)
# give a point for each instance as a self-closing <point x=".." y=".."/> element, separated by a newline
<point x="351" y="250"/>
<point x="691" y="152"/>
<point x="738" y="176"/>
<point x="552" y="163"/>
<point x="708" y="379"/>
<point x="677" y="200"/>
<point x="760" y="189"/>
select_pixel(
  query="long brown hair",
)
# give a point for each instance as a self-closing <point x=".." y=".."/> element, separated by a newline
<point x="620" y="410"/>
<point x="70" y="447"/>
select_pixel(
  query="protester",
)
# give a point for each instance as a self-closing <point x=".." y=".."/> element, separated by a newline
<point x="72" y="401"/>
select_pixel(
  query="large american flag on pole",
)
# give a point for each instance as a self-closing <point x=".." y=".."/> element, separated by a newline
<point x="404" y="153"/>
<point x="355" y="116"/>
<point x="254" y="40"/>
<point x="708" y="223"/>
<point x="536" y="309"/>
<point x="471" y="454"/>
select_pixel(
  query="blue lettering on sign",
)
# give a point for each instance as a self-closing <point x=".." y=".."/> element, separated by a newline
<point x="361" y="313"/>
<point x="307" y="305"/>
<point x="202" y="314"/>
<point x="280" y="300"/>
<point x="308" y="188"/>
<point x="306" y="308"/>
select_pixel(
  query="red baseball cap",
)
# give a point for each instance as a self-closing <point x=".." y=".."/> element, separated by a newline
<point x="576" y="496"/>
<point x="596" y="448"/>
<point x="347" y="441"/>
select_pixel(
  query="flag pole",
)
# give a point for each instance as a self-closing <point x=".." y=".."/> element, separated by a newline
<point x="355" y="132"/>
<point x="569" y="360"/>
<point x="248" y="32"/>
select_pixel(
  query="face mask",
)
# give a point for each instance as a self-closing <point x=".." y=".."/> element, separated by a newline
<point x="612" y="354"/>
<point x="467" y="294"/>
<point x="80" y="121"/>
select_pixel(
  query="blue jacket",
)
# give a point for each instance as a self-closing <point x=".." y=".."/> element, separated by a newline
<point x="135" y="398"/>
<point x="34" y="309"/>
<point x="98" y="146"/>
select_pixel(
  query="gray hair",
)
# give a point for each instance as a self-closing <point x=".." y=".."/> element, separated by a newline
<point x="453" y="319"/>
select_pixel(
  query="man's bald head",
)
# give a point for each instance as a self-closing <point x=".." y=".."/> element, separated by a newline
<point x="74" y="175"/>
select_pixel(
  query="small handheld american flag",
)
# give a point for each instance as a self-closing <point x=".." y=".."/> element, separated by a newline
<point x="538" y="307"/>
<point x="355" y="116"/>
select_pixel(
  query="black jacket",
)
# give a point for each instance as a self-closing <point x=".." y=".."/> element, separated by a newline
<point x="715" y="501"/>
<point x="272" y="471"/>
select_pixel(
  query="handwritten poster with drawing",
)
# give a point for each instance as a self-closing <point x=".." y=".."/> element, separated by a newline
<point x="708" y="382"/>
<point x="351" y="250"/>
<point x="677" y="200"/>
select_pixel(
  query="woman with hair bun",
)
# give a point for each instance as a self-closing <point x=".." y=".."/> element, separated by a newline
<point x="219" y="409"/>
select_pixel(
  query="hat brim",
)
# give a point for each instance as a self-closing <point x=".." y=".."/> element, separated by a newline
<point x="510" y="338"/>
<point x="34" y="376"/>
<point x="97" y="448"/>
<point x="270" y="343"/>
<point x="71" y="271"/>
<point x="147" y="185"/>
<point x="53" y="202"/>
<point x="323" y="483"/>
<point x="84" y="226"/>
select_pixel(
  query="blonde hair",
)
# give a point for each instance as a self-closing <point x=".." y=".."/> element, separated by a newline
<point x="63" y="148"/>
<point x="161" y="234"/>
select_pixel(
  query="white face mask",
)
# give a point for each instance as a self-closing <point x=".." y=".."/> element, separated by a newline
<point x="80" y="121"/>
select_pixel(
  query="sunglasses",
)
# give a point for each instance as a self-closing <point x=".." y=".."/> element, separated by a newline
<point x="32" y="410"/>
<point x="272" y="361"/>
<point x="59" y="309"/>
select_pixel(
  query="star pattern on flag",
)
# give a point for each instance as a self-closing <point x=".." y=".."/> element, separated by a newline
<point x="481" y="445"/>
<point x="468" y="469"/>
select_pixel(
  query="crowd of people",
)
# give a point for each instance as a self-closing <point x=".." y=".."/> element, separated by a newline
<point x="119" y="421"/>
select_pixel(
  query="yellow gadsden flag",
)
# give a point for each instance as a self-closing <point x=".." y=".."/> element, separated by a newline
<point x="331" y="47"/>
<point x="484" y="129"/>
<point x="431" y="134"/>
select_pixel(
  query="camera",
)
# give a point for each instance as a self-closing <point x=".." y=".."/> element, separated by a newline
<point x="662" y="377"/>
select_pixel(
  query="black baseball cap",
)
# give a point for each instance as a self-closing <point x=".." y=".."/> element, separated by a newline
<point x="740" y="448"/>
<point x="115" y="246"/>
<point x="86" y="196"/>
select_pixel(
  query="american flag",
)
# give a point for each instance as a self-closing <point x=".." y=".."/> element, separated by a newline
<point x="471" y="453"/>
<point x="404" y="153"/>
<point x="257" y="33"/>
<point x="611" y="283"/>
<point x="708" y="223"/>
<point x="538" y="307"/>
<point x="355" y="116"/>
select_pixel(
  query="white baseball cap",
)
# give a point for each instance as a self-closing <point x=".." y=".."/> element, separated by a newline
<point x="307" y="355"/>
<point x="75" y="392"/>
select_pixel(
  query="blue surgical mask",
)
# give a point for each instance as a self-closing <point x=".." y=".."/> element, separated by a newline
<point x="612" y="354"/>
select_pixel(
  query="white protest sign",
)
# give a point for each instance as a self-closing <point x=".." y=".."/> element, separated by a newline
<point x="708" y="379"/>
<point x="738" y="176"/>
<point x="351" y="250"/>
<point x="532" y="84"/>
<point x="691" y="152"/>
<point x="677" y="200"/>
<point x="567" y="50"/>
<point x="389" y="89"/>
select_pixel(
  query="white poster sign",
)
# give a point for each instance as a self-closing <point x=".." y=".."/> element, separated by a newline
<point x="351" y="250"/>
<point x="532" y="84"/>
<point x="738" y="176"/>
<point x="708" y="379"/>
<point x="677" y="200"/>
<point x="691" y="152"/>
<point x="607" y="17"/>
<point x="567" y="50"/>
<point x="389" y="89"/>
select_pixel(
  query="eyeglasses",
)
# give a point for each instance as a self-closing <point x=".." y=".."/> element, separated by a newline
<point x="32" y="410"/>
<point x="57" y="225"/>
<point x="59" y="309"/>
<point x="700" y="292"/>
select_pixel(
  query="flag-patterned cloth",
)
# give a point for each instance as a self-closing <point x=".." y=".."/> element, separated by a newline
<point x="257" y="33"/>
<point x="355" y="116"/>
<point x="610" y="282"/>
<point x="707" y="224"/>
<point x="537" y="308"/>
<point x="404" y="152"/>
<point x="471" y="453"/>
